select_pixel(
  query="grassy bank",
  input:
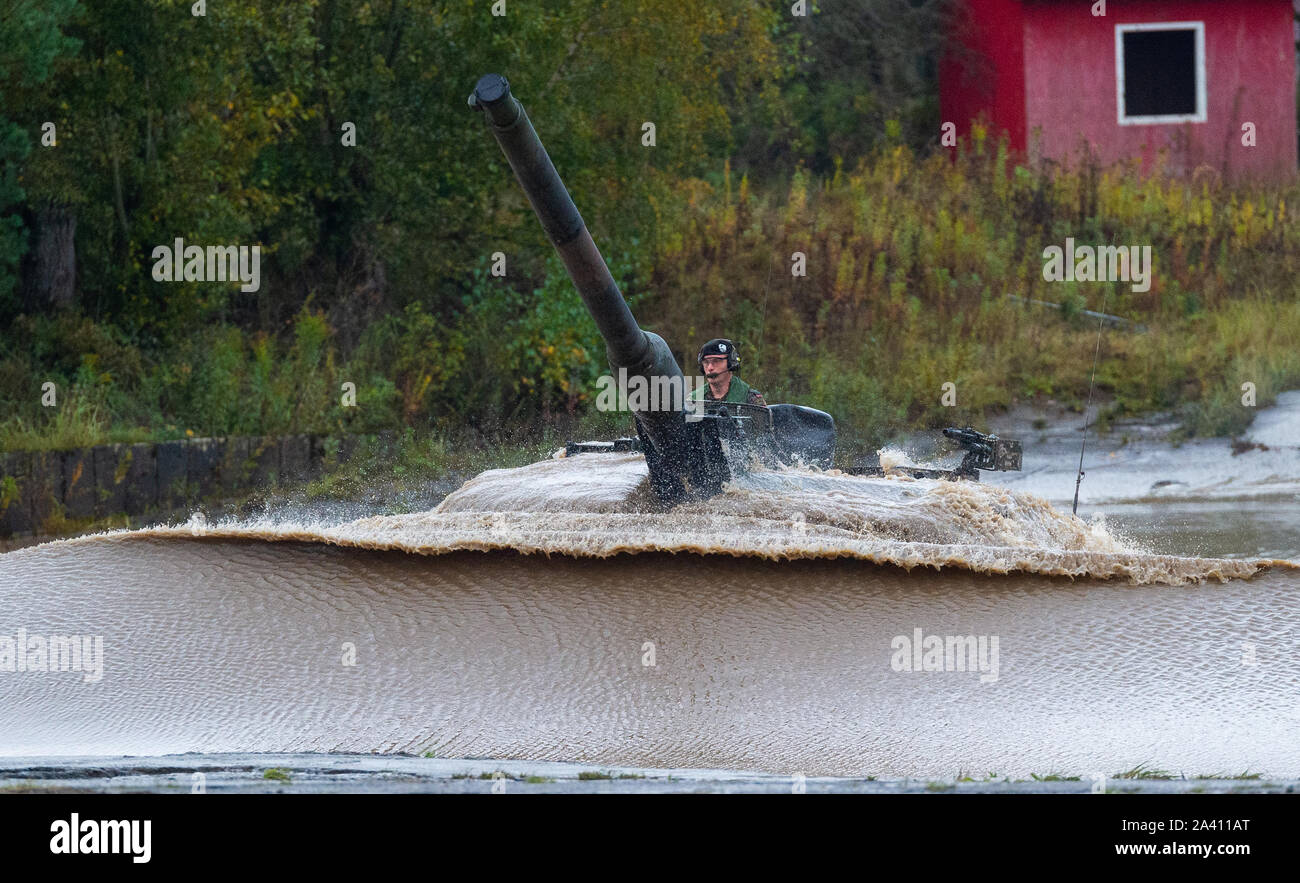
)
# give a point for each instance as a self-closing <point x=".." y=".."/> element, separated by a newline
<point x="909" y="264"/>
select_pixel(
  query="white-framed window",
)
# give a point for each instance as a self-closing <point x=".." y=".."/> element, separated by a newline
<point x="1160" y="72"/>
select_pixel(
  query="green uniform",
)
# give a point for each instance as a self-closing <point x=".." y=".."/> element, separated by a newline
<point x="739" y="392"/>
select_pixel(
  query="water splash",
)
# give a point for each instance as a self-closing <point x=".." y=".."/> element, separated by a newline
<point x="599" y="505"/>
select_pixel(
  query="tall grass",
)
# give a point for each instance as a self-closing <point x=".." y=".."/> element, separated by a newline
<point x="909" y="264"/>
<point x="77" y="423"/>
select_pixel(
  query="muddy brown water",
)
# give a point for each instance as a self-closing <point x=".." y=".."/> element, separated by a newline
<point x="541" y="614"/>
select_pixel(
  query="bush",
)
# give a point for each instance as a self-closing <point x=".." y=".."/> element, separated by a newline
<point x="908" y="264"/>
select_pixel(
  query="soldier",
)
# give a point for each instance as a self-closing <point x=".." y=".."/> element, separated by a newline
<point x="717" y="360"/>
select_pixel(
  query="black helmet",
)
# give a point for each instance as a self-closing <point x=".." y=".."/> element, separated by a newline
<point x="719" y="346"/>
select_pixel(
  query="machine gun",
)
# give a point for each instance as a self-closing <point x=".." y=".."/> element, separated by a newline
<point x="982" y="452"/>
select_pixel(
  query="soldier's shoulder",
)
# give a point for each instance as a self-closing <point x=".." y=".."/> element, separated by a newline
<point x="756" y="397"/>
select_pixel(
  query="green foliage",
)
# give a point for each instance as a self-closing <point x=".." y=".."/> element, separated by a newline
<point x="910" y="260"/>
<point x="228" y="129"/>
<point x="852" y="78"/>
<point x="30" y="40"/>
<point x="77" y="423"/>
<point x="549" y="360"/>
<point x="1143" y="771"/>
<point x="908" y="263"/>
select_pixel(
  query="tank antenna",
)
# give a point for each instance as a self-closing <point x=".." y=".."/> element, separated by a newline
<point x="1074" y="510"/>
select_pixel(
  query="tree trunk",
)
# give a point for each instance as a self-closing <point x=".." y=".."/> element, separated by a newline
<point x="53" y="279"/>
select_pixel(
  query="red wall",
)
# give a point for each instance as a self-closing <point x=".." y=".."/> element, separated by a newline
<point x="1069" y="72"/>
<point x="984" y="69"/>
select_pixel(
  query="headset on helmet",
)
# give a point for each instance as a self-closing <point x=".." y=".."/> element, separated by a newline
<point x="719" y="346"/>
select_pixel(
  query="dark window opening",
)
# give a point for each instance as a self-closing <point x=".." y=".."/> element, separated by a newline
<point x="1160" y="73"/>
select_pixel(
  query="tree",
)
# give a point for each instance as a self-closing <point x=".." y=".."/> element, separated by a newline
<point x="858" y="71"/>
<point x="30" y="40"/>
<point x="335" y="134"/>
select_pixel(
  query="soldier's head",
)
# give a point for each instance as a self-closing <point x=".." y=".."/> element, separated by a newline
<point x="718" y="358"/>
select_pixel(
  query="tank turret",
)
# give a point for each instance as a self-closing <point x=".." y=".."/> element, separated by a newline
<point x="691" y="448"/>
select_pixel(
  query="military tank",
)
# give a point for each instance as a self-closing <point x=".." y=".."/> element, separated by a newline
<point x="691" y="447"/>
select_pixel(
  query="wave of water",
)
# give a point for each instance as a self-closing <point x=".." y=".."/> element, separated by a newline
<point x="595" y="506"/>
<point x="521" y="630"/>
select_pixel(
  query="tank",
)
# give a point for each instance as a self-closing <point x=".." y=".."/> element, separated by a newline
<point x="691" y="447"/>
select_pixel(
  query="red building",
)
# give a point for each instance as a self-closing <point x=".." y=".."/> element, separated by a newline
<point x="1178" y="77"/>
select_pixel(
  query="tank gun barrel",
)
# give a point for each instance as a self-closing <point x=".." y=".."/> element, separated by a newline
<point x="626" y="344"/>
<point x="641" y="353"/>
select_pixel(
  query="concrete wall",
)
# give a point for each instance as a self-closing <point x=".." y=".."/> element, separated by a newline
<point x="40" y="489"/>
